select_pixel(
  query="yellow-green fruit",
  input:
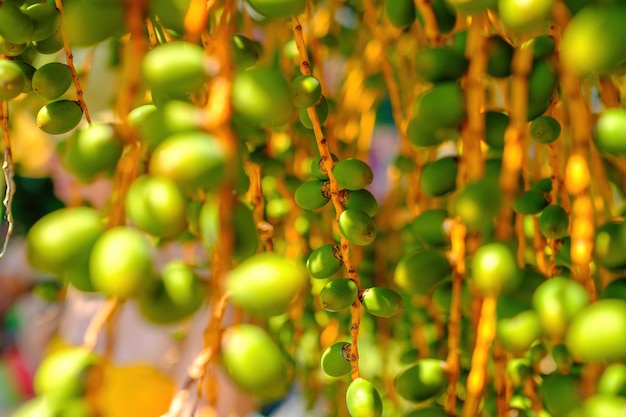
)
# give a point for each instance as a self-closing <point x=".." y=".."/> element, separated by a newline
<point x="334" y="362"/>
<point x="363" y="399"/>
<point x="191" y="159"/>
<point x="318" y="168"/>
<point x="15" y="25"/>
<point x="63" y="375"/>
<point x="517" y="334"/>
<point x="266" y="283"/>
<point x="356" y="226"/>
<point x="63" y="237"/>
<point x="598" y="331"/>
<point x="561" y="393"/>
<point x="277" y="8"/>
<point x="175" y="67"/>
<point x="420" y="271"/>
<point x="429" y="227"/>
<point x="609" y="243"/>
<point x="35" y="407"/>
<point x="353" y="174"/>
<point x="439" y="64"/>
<point x="442" y="106"/>
<point x="121" y="262"/>
<point x="603" y="406"/>
<point x="610" y="132"/>
<point x="88" y="22"/>
<point x="360" y="199"/>
<point x="478" y="203"/>
<point x="59" y="116"/>
<point x="12" y="80"/>
<point x="422" y="135"/>
<point x="306" y="91"/>
<point x="254" y="362"/>
<point x="51" y="80"/>
<point x="263" y="96"/>
<point x="522" y="15"/>
<point x="545" y="129"/>
<point x="338" y="294"/>
<point x="439" y="177"/>
<point x="613" y="380"/>
<point x="556" y="301"/>
<point x="426" y="379"/>
<point x="312" y="195"/>
<point x="324" y="261"/>
<point x="592" y="40"/>
<point x="494" y="269"/>
<point x="554" y="222"/>
<point x="382" y="302"/>
<point x="245" y="52"/>
<point x="157" y="206"/>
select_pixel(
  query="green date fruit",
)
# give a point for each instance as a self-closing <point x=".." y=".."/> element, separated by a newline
<point x="545" y="129"/>
<point x="263" y="96"/>
<point x="11" y="49"/>
<point x="360" y="199"/>
<point x="357" y="226"/>
<point x="321" y="109"/>
<point x="401" y="13"/>
<point x="334" y="362"/>
<point x="554" y="222"/>
<point x="423" y="381"/>
<point x="353" y="174"/>
<point x="603" y="405"/>
<point x="499" y="56"/>
<point x="478" y="203"/>
<point x="318" y="169"/>
<point x="494" y="269"/>
<point x="12" y="79"/>
<point x="324" y="261"/>
<point x="542" y="83"/>
<point x="382" y="302"/>
<point x="422" y="135"/>
<point x="87" y="23"/>
<point x="523" y="15"/>
<point x="420" y="271"/>
<point x="46" y="19"/>
<point x="517" y="334"/>
<point x="121" y="262"/>
<point x="429" y="227"/>
<point x="438" y="64"/>
<point x="59" y="116"/>
<point x="363" y="399"/>
<point x="496" y="124"/>
<point x="439" y="177"/>
<point x="312" y="195"/>
<point x="157" y="206"/>
<point x="443" y="106"/>
<point x="51" y="80"/>
<point x="193" y="160"/>
<point x="175" y="67"/>
<point x="266" y="283"/>
<point x="62" y="237"/>
<point x="277" y="8"/>
<point x="254" y="362"/>
<point x="338" y="294"/>
<point x="530" y="202"/>
<point x="610" y="131"/>
<point x="245" y="52"/>
<point x="613" y="380"/>
<point x="306" y="91"/>
<point x="15" y="25"/>
<point x="598" y="331"/>
<point x="50" y="45"/>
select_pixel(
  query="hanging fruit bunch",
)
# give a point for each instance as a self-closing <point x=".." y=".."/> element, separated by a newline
<point x="470" y="264"/>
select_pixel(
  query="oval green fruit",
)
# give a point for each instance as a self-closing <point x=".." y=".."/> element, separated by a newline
<point x="263" y="96"/>
<point x="438" y="178"/>
<point x="542" y="83"/>
<point x="318" y="168"/>
<point x="438" y="64"/>
<point x="306" y="91"/>
<point x="530" y="202"/>
<point x="401" y="13"/>
<point x="363" y="399"/>
<point x="554" y="222"/>
<point x="62" y="237"/>
<point x="59" y="116"/>
<point x="422" y="135"/>
<point x="545" y="129"/>
<point x="11" y="49"/>
<point x="312" y="195"/>
<point x="613" y="380"/>
<point x="443" y="106"/>
<point x="517" y="334"/>
<point x="157" y="206"/>
<point x="499" y="56"/>
<point x="86" y="23"/>
<point x="245" y="52"/>
<point x="359" y="228"/>
<point x="420" y="271"/>
<point x="423" y="381"/>
<point x="321" y="109"/>
<point x="277" y="8"/>
<point x="46" y="19"/>
<point x="15" y="25"/>
<point x="359" y="199"/>
<point x="610" y="131"/>
<point x="338" y="294"/>
<point x="324" y="261"/>
<point x="121" y="262"/>
<point x="608" y="245"/>
<point x="266" y="283"/>
<point x="175" y="67"/>
<point x="494" y="269"/>
<point x="192" y="160"/>
<point x="521" y="15"/>
<point x="12" y="79"/>
<point x="50" y="45"/>
<point x="598" y="331"/>
<point x="496" y="124"/>
<point x="382" y="302"/>
<point x="429" y="227"/>
<point x="254" y="362"/>
<point x="353" y="174"/>
<point x="334" y="362"/>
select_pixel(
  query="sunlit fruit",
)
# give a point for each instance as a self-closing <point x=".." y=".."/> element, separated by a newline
<point x="494" y="269"/>
<point x="524" y="15"/>
<point x="245" y="51"/>
<point x="176" y="67"/>
<point x="353" y="174"/>
<point x="382" y="302"/>
<point x="12" y="79"/>
<point x="613" y="380"/>
<point x="610" y="133"/>
<point x="442" y="106"/>
<point x="426" y="379"/>
<point x="519" y="332"/>
<point x="263" y="96"/>
<point x="334" y="362"/>
<point x="15" y="25"/>
<point x="363" y="399"/>
<point x="324" y="261"/>
<point x="277" y="8"/>
<point x="338" y="294"/>
<point x="312" y="195"/>
<point x="357" y="226"/>
<point x="59" y="116"/>
<point x="306" y="91"/>
<point x="419" y="271"/>
<point x="46" y="19"/>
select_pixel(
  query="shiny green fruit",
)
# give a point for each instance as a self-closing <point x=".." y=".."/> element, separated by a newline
<point x="478" y="204"/>
<point x="312" y="195"/>
<point x="338" y="294"/>
<point x="556" y="301"/>
<point x="306" y="91"/>
<point x="554" y="222"/>
<point x="530" y="202"/>
<point x="613" y="380"/>
<point x="609" y="243"/>
<point x="59" y="116"/>
<point x="545" y="129"/>
<point x="93" y="150"/>
<point x="263" y="96"/>
<point x="254" y="362"/>
<point x="401" y="13"/>
<point x="543" y="46"/>
<point x="266" y="284"/>
<point x="175" y="67"/>
<point x="37" y="406"/>
<point x="438" y="64"/>
<point x="429" y="227"/>
<point x="591" y="42"/>
<point x="318" y="168"/>
<point x="494" y="269"/>
<point x="382" y="302"/>
<point x="499" y="56"/>
<point x="157" y="206"/>
<point x="63" y="375"/>
<point x="363" y="399"/>
<point x="277" y="8"/>
<point x="438" y="178"/>
<point x="598" y="331"/>
<point x="121" y="262"/>
<point x="445" y="15"/>
<point x="46" y="19"/>
<point x="62" y="237"/>
<point x="192" y="160"/>
<point x="357" y="226"/>
<point x="11" y="49"/>
<point x="15" y="25"/>
<point x="442" y="106"/>
<point x="87" y="23"/>
<point x="324" y="261"/>
<point x="12" y="79"/>
<point x="422" y="135"/>
<point x="496" y="124"/>
<point x="603" y="406"/>
<point x="245" y="52"/>
<point x="50" y="45"/>
<point x="360" y="199"/>
<point x="517" y="334"/>
<point x="521" y="15"/>
<point x="542" y="83"/>
<point x="334" y="362"/>
<point x="321" y="109"/>
<point x="420" y="271"/>
<point x="353" y="174"/>
<point x="423" y="381"/>
<point x="610" y="132"/>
